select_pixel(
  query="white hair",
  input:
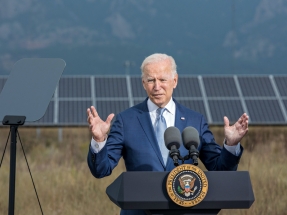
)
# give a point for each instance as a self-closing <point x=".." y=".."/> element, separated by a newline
<point x="157" y="57"/>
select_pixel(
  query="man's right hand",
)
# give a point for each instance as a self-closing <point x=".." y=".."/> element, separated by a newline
<point x="98" y="127"/>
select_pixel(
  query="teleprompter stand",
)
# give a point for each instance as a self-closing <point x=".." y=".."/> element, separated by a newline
<point x="14" y="122"/>
<point x="147" y="191"/>
<point x="25" y="97"/>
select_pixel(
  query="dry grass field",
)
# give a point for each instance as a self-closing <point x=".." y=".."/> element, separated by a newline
<point x="65" y="185"/>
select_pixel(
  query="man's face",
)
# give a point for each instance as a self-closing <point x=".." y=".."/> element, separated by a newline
<point x="159" y="82"/>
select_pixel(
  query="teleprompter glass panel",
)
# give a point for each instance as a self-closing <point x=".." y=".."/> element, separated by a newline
<point x="47" y="119"/>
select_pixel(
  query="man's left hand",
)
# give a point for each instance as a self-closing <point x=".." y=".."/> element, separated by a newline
<point x="234" y="133"/>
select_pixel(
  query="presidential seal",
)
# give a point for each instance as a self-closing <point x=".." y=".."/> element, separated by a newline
<point x="187" y="185"/>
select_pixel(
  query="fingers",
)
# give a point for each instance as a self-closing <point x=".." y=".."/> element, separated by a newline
<point x="94" y="111"/>
<point x="90" y="116"/>
<point x="243" y="120"/>
<point x="244" y="117"/>
<point x="226" y="121"/>
<point x="88" y="112"/>
<point x="91" y="113"/>
<point x="109" y="118"/>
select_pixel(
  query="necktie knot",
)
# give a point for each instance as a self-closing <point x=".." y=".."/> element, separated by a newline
<point x="160" y="111"/>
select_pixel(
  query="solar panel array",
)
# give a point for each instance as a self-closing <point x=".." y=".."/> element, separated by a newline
<point x="263" y="98"/>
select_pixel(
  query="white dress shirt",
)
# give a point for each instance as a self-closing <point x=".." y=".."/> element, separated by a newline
<point x="169" y="114"/>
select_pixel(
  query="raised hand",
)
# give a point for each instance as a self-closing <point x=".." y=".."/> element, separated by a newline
<point x="98" y="127"/>
<point x="234" y="133"/>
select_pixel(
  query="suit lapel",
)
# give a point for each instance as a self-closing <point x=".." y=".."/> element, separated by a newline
<point x="145" y="121"/>
<point x="180" y="118"/>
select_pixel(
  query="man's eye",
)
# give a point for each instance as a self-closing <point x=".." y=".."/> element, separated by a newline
<point x="150" y="81"/>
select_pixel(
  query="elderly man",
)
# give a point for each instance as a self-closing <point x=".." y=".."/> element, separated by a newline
<point x="134" y="134"/>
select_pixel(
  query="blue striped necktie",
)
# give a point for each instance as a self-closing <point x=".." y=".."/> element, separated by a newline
<point x="160" y="126"/>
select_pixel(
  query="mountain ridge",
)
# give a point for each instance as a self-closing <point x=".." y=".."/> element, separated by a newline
<point x="99" y="36"/>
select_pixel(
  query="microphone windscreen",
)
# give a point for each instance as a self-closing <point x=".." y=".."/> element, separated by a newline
<point x="190" y="137"/>
<point x="172" y="137"/>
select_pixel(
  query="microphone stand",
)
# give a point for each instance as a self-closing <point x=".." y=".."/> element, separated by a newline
<point x="175" y="155"/>
<point x="193" y="154"/>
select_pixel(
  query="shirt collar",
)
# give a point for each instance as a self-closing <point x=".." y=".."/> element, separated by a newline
<point x="152" y="107"/>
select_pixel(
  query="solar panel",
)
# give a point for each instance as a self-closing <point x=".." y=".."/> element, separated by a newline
<point x="105" y="108"/>
<point x="73" y="112"/>
<point x="281" y="82"/>
<point x="196" y="105"/>
<point x="220" y="87"/>
<point x="48" y="117"/>
<point x="137" y="101"/>
<point x="220" y="108"/>
<point x="111" y="96"/>
<point x="187" y="87"/>
<point x="111" y="87"/>
<point x="264" y="111"/>
<point x="137" y="87"/>
<point x="256" y="86"/>
<point x="74" y="87"/>
<point x="285" y="103"/>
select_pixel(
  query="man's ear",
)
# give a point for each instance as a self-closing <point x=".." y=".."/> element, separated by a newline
<point x="143" y="84"/>
<point x="175" y="79"/>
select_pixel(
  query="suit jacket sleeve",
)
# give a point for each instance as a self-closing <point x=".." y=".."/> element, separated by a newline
<point x="101" y="164"/>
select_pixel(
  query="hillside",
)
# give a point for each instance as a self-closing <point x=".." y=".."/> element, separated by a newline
<point x="100" y="36"/>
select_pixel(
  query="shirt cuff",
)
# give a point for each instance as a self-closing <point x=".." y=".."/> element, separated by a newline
<point x="235" y="150"/>
<point x="96" y="147"/>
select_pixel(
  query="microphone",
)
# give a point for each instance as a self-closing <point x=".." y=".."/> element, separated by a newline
<point x="191" y="141"/>
<point x="172" y="139"/>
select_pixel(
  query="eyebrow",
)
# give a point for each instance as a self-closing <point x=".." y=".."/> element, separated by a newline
<point x="164" y="77"/>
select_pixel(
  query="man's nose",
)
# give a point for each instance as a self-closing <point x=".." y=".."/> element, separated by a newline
<point x="157" y="85"/>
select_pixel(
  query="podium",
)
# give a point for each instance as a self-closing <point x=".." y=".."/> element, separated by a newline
<point x="147" y="191"/>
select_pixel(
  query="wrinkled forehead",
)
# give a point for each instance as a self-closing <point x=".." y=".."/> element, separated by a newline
<point x="167" y="75"/>
<point x="160" y="69"/>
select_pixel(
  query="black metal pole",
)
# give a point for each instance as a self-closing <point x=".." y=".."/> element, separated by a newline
<point x="13" y="129"/>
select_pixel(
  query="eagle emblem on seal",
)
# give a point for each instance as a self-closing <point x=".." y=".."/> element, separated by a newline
<point x="186" y="185"/>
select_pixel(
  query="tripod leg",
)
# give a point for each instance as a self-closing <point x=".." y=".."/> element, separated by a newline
<point x="13" y="129"/>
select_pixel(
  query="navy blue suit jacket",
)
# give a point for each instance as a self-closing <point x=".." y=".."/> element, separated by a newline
<point x="132" y="137"/>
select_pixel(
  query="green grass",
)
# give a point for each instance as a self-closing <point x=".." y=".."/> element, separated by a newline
<point x="66" y="186"/>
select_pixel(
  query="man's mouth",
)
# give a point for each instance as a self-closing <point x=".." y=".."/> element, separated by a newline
<point x="157" y="95"/>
